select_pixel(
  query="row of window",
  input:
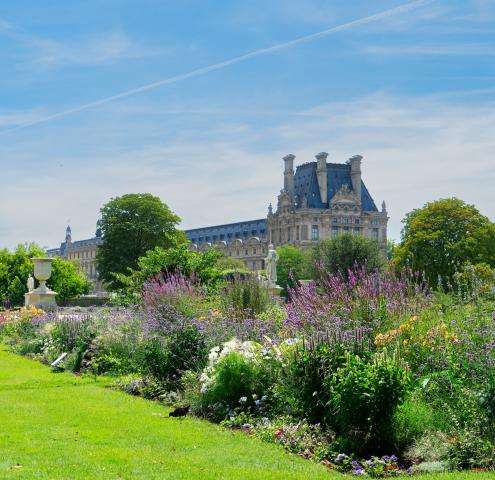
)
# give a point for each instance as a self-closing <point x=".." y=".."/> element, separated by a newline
<point x="228" y="236"/>
<point x="84" y="254"/>
<point x="301" y="233"/>
<point x="346" y="220"/>
<point x="246" y="252"/>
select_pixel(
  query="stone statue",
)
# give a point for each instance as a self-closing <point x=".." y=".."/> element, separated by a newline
<point x="271" y="266"/>
<point x="30" y="283"/>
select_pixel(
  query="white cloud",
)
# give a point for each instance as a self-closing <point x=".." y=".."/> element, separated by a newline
<point x="90" y="50"/>
<point x="96" y="50"/>
<point x="416" y="150"/>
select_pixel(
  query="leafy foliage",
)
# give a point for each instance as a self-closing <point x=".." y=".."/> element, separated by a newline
<point x="245" y="297"/>
<point x="346" y="252"/>
<point x="294" y="264"/>
<point x="15" y="267"/>
<point x="302" y="380"/>
<point x="166" y="359"/>
<point x="131" y="225"/>
<point x="363" y="396"/>
<point x="442" y="237"/>
<point x="201" y="265"/>
<point x="67" y="280"/>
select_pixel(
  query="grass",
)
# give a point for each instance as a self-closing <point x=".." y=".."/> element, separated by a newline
<point x="57" y="426"/>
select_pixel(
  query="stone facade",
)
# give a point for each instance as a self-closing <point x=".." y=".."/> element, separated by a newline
<point x="246" y="241"/>
<point x="319" y="200"/>
<point x="83" y="252"/>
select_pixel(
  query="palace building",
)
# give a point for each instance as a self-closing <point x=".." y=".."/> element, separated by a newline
<point x="319" y="200"/>
<point x="81" y="251"/>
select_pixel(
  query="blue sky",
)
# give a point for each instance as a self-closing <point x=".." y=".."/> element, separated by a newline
<point x="413" y="93"/>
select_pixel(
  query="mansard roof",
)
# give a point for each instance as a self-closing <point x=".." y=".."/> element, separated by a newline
<point x="230" y="231"/>
<point x="338" y="175"/>
<point x="75" y="245"/>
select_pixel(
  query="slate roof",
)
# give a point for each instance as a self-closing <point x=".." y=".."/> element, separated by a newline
<point x="75" y="245"/>
<point x="228" y="232"/>
<point x="338" y="174"/>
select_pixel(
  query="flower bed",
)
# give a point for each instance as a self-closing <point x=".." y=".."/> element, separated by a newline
<point x="370" y="374"/>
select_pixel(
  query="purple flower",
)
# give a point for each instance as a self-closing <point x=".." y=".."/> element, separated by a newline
<point x="359" y="471"/>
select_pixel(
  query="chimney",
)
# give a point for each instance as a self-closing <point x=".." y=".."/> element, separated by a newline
<point x="355" y="164"/>
<point x="289" y="174"/>
<point x="321" y="173"/>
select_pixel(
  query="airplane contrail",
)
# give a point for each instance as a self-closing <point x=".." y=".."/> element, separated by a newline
<point x="217" y="66"/>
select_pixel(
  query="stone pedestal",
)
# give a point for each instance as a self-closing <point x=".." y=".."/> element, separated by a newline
<point x="44" y="299"/>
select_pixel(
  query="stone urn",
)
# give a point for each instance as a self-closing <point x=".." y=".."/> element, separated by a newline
<point x="42" y="271"/>
<point x="41" y="297"/>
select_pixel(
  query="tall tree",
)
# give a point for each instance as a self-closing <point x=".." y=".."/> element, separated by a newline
<point x="443" y="237"/>
<point x="131" y="225"/>
<point x="347" y="251"/>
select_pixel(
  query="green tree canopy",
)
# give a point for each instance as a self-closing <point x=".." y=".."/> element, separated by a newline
<point x="67" y="279"/>
<point x="344" y="252"/>
<point x="443" y="237"/>
<point x="202" y="265"/>
<point x="180" y="259"/>
<point x="131" y="225"/>
<point x="293" y="264"/>
<point x="16" y="266"/>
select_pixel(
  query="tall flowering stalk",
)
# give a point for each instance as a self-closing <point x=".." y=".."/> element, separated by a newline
<point x="340" y="303"/>
<point x="167" y="301"/>
<point x="168" y="289"/>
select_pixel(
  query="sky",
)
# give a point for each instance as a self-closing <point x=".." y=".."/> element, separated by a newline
<point x="413" y="92"/>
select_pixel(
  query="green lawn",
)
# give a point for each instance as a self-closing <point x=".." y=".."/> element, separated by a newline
<point x="57" y="426"/>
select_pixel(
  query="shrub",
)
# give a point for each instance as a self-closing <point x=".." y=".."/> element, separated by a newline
<point x="67" y="280"/>
<point x="234" y="378"/>
<point x="301" y="387"/>
<point x="363" y="397"/>
<point x="161" y="262"/>
<point x="431" y="447"/>
<point x="114" y="350"/>
<point x="411" y="420"/>
<point x="469" y="450"/>
<point x="245" y="298"/>
<point x="177" y="290"/>
<point x="458" y="404"/>
<point x="293" y="264"/>
<point x="16" y="266"/>
<point x="237" y="374"/>
<point x="73" y="331"/>
<point x="146" y="387"/>
<point x="440" y="238"/>
<point x="167" y="358"/>
<point x="346" y="252"/>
